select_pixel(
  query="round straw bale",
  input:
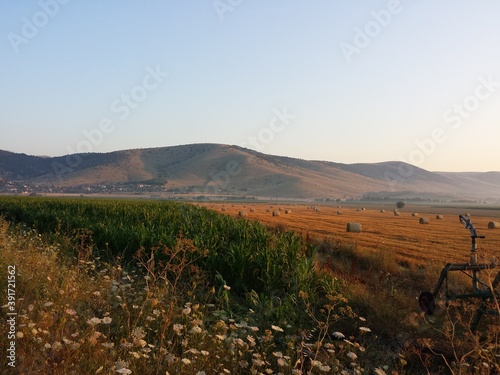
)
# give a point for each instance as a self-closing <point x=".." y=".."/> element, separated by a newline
<point x="354" y="227"/>
<point x="268" y="210"/>
<point x="242" y="213"/>
<point x="424" y="220"/>
<point x="493" y="225"/>
<point x="316" y="209"/>
<point x="281" y="208"/>
<point x="288" y="211"/>
<point x="252" y="210"/>
<point x="276" y="213"/>
<point x="439" y="217"/>
<point x="339" y="212"/>
<point x="414" y="214"/>
<point x="396" y="213"/>
<point x="223" y="208"/>
<point x="383" y="211"/>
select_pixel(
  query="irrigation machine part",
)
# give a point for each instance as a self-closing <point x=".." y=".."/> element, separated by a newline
<point x="480" y="290"/>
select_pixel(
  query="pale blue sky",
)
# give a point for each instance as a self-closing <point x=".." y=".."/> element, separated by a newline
<point x="422" y="69"/>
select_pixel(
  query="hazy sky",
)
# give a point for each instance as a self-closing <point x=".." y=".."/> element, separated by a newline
<point x="345" y="81"/>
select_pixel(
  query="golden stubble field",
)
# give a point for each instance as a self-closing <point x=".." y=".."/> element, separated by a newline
<point x="442" y="241"/>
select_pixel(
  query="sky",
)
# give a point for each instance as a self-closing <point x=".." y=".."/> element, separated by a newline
<point x="344" y="81"/>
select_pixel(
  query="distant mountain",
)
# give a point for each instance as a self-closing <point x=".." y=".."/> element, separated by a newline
<point x="214" y="169"/>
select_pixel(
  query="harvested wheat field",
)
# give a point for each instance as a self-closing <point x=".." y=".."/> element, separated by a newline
<point x="442" y="240"/>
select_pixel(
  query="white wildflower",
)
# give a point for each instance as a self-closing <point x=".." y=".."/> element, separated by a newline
<point x="195" y="330"/>
<point x="258" y="362"/>
<point x="316" y="363"/>
<point x="338" y="335"/>
<point x="94" y="321"/>
<point x="121" y="367"/>
<point x="276" y="328"/>
<point x="281" y="362"/>
<point x="125" y="371"/>
<point x="178" y="328"/>
<point x="352" y="355"/>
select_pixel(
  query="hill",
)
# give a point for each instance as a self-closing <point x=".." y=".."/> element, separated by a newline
<point x="214" y="169"/>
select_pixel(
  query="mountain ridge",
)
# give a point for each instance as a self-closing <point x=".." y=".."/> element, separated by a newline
<point x="216" y="169"/>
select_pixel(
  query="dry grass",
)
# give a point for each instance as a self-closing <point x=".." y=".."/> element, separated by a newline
<point x="440" y="241"/>
<point x="386" y="266"/>
<point x="84" y="316"/>
<point x="88" y="317"/>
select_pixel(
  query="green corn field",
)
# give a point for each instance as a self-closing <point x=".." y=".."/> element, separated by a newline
<point x="238" y="252"/>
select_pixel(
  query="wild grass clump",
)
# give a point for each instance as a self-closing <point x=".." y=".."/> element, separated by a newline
<point x="383" y="289"/>
<point x="163" y="315"/>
